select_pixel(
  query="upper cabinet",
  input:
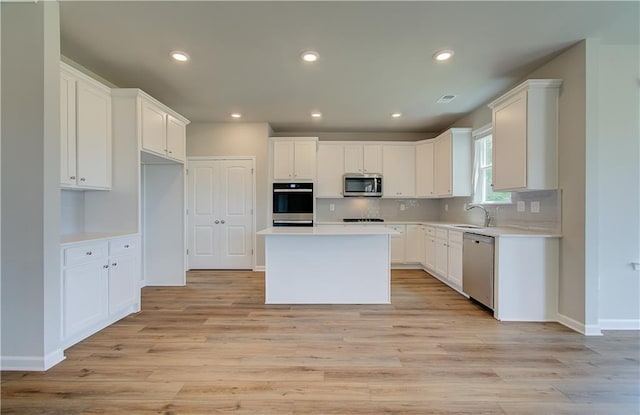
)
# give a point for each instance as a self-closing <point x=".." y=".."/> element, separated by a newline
<point x="363" y="158"/>
<point x="424" y="169"/>
<point x="163" y="132"/>
<point x="452" y="166"/>
<point x="399" y="170"/>
<point x="85" y="131"/>
<point x="294" y="158"/>
<point x="525" y="131"/>
<point x="330" y="169"/>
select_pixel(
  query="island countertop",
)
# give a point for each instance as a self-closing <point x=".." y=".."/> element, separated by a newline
<point x="329" y="230"/>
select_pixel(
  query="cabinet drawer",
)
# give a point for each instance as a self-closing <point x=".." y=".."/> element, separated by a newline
<point x="85" y="253"/>
<point x="455" y="237"/>
<point x="429" y="231"/>
<point x="123" y="246"/>
<point x="441" y="233"/>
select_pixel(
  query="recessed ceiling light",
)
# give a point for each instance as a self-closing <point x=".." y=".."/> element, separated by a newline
<point x="396" y="114"/>
<point x="309" y="56"/>
<point x="316" y="114"/>
<point x="236" y="115"/>
<point x="443" y="55"/>
<point x="179" y="56"/>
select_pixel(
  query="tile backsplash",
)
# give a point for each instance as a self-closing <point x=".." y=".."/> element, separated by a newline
<point x="410" y="210"/>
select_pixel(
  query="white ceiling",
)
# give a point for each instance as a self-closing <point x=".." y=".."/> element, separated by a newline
<point x="375" y="57"/>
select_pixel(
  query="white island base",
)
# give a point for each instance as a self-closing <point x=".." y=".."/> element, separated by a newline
<point x="328" y="265"/>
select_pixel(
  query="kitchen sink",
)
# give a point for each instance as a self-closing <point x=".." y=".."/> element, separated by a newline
<point x="468" y="226"/>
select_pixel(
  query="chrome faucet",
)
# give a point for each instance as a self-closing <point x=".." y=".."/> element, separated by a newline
<point x="487" y="218"/>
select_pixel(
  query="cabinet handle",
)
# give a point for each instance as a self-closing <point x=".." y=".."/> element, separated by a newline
<point x="222" y="221"/>
<point x="72" y="177"/>
<point x="105" y="266"/>
<point x="170" y="152"/>
<point x="126" y="246"/>
<point x="82" y="179"/>
<point x="89" y="253"/>
<point x="216" y="222"/>
<point x="114" y="264"/>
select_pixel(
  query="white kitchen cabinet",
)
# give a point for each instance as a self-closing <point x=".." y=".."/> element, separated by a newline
<point x="162" y="131"/>
<point x="363" y="158"/>
<point x="330" y="170"/>
<point x="398" y="169"/>
<point x="99" y="285"/>
<point x="452" y="172"/>
<point x="429" y="247"/>
<point x="442" y="253"/>
<point x="425" y="169"/>
<point x="415" y="248"/>
<point x="525" y="124"/>
<point x="454" y="260"/>
<point x="294" y="159"/>
<point x="398" y="244"/>
<point x="85" y="131"/>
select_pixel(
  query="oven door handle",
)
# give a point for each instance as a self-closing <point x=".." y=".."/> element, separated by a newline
<point x="292" y="190"/>
<point x="293" y="221"/>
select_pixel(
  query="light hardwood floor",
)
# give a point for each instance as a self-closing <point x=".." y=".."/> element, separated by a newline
<point x="215" y="347"/>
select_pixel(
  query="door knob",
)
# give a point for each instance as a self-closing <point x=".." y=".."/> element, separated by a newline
<point x="217" y="222"/>
<point x="222" y="221"/>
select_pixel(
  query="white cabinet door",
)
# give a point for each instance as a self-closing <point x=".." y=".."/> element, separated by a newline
<point x="441" y="261"/>
<point x="330" y="170"/>
<point x="424" y="170"/>
<point x="430" y="249"/>
<point x="283" y="160"/>
<point x="304" y="160"/>
<point x="94" y="136"/>
<point x="83" y="296"/>
<point x="398" y="245"/>
<point x="415" y="244"/>
<point x="443" y="165"/>
<point x="399" y="171"/>
<point x="510" y="143"/>
<point x="372" y="159"/>
<point x="123" y="279"/>
<point x="353" y="158"/>
<point x="220" y="220"/>
<point x="176" y="138"/>
<point x="67" y="129"/>
<point x="454" y="263"/>
<point x="154" y="131"/>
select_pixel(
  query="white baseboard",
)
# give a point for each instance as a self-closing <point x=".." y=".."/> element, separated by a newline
<point x="259" y="268"/>
<point x="32" y="363"/>
<point x="586" y="329"/>
<point x="619" y="324"/>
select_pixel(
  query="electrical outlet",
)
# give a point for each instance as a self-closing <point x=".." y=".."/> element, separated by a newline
<point x="535" y="207"/>
<point x="446" y="207"/>
<point x="465" y="206"/>
<point x="332" y="207"/>
<point x="402" y="206"/>
<point x="521" y="207"/>
<point x="636" y="266"/>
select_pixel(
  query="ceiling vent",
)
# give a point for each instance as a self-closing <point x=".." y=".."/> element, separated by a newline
<point x="445" y="99"/>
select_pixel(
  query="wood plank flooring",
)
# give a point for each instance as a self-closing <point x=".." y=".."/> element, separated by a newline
<point x="215" y="347"/>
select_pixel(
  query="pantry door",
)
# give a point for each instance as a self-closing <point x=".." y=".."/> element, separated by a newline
<point x="220" y="214"/>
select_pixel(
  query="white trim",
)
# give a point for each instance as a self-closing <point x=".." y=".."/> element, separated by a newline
<point x="254" y="176"/>
<point x="619" y="324"/>
<point x="587" y="330"/>
<point x="259" y="268"/>
<point x="481" y="132"/>
<point x="32" y="363"/>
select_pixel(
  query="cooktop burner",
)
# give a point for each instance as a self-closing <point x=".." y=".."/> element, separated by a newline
<point x="362" y="220"/>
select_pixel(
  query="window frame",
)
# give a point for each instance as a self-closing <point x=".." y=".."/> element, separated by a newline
<point x="478" y="178"/>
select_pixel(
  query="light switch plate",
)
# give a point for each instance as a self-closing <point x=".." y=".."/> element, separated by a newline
<point x="332" y="207"/>
<point x="402" y="206"/>
<point x="535" y="207"/>
<point x="521" y="207"/>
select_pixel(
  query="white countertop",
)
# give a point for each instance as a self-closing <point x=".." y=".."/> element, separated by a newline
<point x="329" y="230"/>
<point x="91" y="237"/>
<point x="498" y="231"/>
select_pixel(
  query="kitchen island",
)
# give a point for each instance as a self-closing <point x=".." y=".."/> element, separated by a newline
<point x="328" y="265"/>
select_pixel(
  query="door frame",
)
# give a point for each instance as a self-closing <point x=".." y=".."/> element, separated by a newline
<point x="253" y="201"/>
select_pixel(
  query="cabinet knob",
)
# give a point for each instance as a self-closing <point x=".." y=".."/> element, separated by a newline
<point x="114" y="264"/>
<point x="89" y="253"/>
<point x="74" y="177"/>
<point x="126" y="246"/>
<point x="216" y="222"/>
<point x="82" y="179"/>
<point x="222" y="221"/>
<point x="170" y="152"/>
<point x="105" y="266"/>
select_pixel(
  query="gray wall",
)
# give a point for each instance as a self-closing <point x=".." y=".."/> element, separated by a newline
<point x="617" y="154"/>
<point x="237" y="139"/>
<point x="30" y="182"/>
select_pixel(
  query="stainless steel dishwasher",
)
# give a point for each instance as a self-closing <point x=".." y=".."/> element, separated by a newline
<point x="477" y="267"/>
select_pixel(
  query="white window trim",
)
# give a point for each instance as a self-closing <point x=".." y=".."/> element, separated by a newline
<point x="478" y="134"/>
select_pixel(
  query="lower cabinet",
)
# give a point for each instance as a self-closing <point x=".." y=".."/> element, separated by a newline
<point x="415" y="244"/>
<point x="429" y="247"/>
<point x="99" y="285"/>
<point x="398" y="245"/>
<point x="454" y="261"/>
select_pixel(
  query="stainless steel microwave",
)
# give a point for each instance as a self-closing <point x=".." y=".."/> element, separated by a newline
<point x="367" y="185"/>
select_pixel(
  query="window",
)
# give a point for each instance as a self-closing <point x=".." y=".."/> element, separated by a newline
<point x="482" y="170"/>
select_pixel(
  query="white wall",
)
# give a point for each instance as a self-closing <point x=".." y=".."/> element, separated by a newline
<point x="618" y="185"/>
<point x="237" y="139"/>
<point x="30" y="185"/>
<point x="358" y="136"/>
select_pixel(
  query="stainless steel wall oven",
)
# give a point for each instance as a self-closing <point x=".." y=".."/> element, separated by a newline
<point x="293" y="204"/>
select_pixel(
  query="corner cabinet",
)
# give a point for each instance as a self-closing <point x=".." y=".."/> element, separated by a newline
<point x="294" y="159"/>
<point x="525" y="135"/>
<point x="85" y="131"/>
<point x="452" y="163"/>
<point x="424" y="169"/>
<point x="162" y="131"/>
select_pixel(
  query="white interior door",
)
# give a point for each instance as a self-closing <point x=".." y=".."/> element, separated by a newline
<point x="220" y="215"/>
